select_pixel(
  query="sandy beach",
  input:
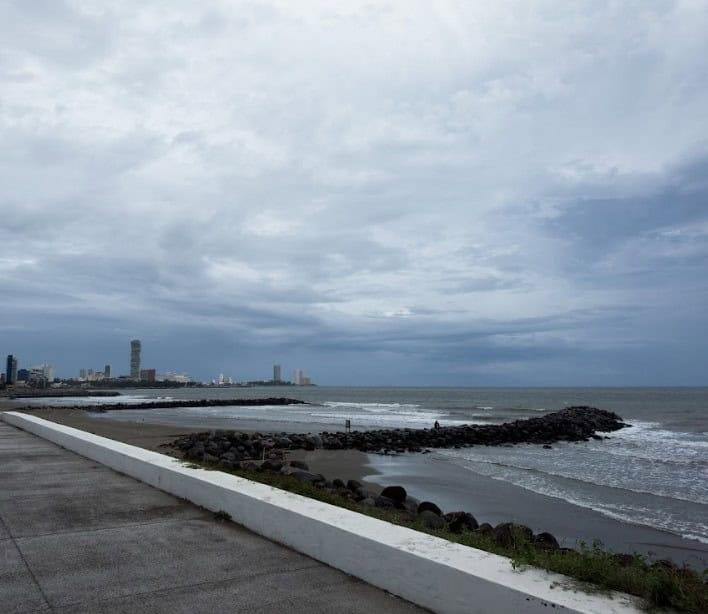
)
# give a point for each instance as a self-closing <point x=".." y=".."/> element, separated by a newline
<point x="430" y="477"/>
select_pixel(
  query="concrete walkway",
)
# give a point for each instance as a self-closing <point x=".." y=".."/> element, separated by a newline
<point x="78" y="537"/>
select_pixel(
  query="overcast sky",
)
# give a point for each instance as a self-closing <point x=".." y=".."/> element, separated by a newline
<point x="448" y="193"/>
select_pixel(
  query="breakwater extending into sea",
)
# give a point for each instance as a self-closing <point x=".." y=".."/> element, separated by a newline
<point x="570" y="424"/>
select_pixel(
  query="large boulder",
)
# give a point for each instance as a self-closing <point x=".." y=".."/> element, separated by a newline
<point x="395" y="493"/>
<point x="197" y="451"/>
<point x="429" y="506"/>
<point x="385" y="502"/>
<point x="313" y="442"/>
<point x="411" y="505"/>
<point x="431" y="520"/>
<point x="460" y="521"/>
<point x="511" y="535"/>
<point x="353" y="485"/>
<point x="546" y="541"/>
<point x="485" y="530"/>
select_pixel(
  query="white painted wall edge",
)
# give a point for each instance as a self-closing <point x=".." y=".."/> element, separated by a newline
<point x="425" y="570"/>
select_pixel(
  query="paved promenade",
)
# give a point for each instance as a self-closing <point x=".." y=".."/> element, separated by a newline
<point x="77" y="537"/>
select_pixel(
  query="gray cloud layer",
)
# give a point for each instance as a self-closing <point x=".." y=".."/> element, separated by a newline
<point x="402" y="192"/>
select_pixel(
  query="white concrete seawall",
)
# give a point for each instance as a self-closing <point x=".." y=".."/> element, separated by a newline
<point x="428" y="571"/>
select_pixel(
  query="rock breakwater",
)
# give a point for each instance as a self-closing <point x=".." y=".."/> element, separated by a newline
<point x="570" y="424"/>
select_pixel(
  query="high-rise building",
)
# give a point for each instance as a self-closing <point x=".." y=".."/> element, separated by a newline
<point x="276" y="374"/>
<point x="41" y="374"/>
<point x="135" y="348"/>
<point x="11" y="370"/>
<point x="148" y="375"/>
<point x="82" y="373"/>
<point x="107" y="371"/>
<point x="299" y="374"/>
<point x="23" y="375"/>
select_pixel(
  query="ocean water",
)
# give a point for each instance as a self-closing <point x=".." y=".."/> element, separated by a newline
<point x="654" y="473"/>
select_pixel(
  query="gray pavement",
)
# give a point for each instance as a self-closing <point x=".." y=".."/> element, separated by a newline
<point x="77" y="537"/>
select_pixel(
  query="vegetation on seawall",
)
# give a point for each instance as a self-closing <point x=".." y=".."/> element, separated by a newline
<point x="660" y="584"/>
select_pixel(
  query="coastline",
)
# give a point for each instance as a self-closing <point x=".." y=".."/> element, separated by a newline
<point x="429" y="477"/>
<point x="494" y="501"/>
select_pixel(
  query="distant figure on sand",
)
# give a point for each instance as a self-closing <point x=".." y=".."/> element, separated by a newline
<point x="436" y="426"/>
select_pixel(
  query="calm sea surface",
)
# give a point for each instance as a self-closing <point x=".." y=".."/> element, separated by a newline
<point x="654" y="473"/>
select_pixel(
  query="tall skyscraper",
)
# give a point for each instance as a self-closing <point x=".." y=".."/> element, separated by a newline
<point x="276" y="374"/>
<point x="11" y="370"/>
<point x="107" y="372"/>
<point x="135" y="348"/>
<point x="82" y="373"/>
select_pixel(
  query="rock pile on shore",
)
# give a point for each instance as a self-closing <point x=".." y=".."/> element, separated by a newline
<point x="570" y="424"/>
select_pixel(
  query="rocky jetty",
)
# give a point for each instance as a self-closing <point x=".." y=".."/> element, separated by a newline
<point x="193" y="403"/>
<point x="570" y="424"/>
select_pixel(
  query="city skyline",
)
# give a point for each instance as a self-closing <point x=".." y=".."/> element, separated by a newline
<point x="149" y="375"/>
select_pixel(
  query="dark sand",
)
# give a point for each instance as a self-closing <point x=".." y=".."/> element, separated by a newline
<point x="432" y="478"/>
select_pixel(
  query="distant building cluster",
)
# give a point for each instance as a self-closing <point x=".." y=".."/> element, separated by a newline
<point x="137" y="373"/>
<point x="299" y="379"/>
<point x="222" y="380"/>
<point x="98" y="375"/>
<point x="43" y="375"/>
<point x="38" y="375"/>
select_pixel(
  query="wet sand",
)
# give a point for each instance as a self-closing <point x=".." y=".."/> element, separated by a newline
<point x="433" y="478"/>
<point x="343" y="464"/>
